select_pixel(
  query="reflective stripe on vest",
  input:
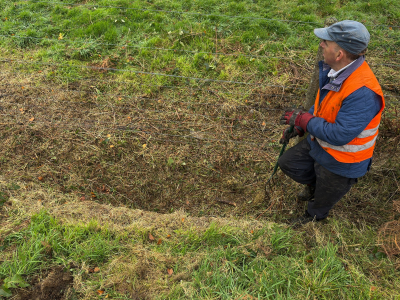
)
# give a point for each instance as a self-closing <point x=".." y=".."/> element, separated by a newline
<point x="369" y="132"/>
<point x="361" y="147"/>
<point x="348" y="148"/>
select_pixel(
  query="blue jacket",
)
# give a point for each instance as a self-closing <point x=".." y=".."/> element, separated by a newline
<point x="355" y="114"/>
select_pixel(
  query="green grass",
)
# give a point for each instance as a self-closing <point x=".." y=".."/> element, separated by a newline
<point x="221" y="262"/>
<point x="234" y="274"/>
<point x="94" y="31"/>
<point x="45" y="236"/>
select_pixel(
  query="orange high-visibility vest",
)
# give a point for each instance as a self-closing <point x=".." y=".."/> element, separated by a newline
<point x="361" y="147"/>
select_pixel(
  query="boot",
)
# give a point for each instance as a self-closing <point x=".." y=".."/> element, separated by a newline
<point x="302" y="220"/>
<point x="307" y="194"/>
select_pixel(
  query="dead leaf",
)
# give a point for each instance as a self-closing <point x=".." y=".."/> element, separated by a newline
<point x="31" y="119"/>
<point x="159" y="241"/>
<point x="104" y="189"/>
<point x="47" y="247"/>
<point x="93" y="195"/>
<point x="227" y="202"/>
<point x="373" y="288"/>
<point x="267" y="251"/>
<point x="170" y="271"/>
<point x="151" y="238"/>
<point x="97" y="269"/>
<point x="60" y="36"/>
<point x="82" y="198"/>
<point x="310" y="261"/>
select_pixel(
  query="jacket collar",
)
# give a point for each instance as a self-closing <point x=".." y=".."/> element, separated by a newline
<point x="336" y="84"/>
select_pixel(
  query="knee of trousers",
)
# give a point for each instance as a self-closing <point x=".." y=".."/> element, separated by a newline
<point x="283" y="162"/>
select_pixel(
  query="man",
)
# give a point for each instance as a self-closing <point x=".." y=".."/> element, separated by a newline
<point x="342" y="124"/>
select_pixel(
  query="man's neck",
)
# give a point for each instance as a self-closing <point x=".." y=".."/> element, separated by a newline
<point x="334" y="73"/>
<point x="341" y="64"/>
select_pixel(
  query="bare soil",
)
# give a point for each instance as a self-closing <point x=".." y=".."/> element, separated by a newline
<point x="131" y="153"/>
<point x="199" y="150"/>
<point x="53" y="286"/>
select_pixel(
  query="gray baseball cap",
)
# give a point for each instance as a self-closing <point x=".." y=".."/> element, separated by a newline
<point x="350" y="35"/>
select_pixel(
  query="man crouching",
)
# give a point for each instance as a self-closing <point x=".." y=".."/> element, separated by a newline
<point x="342" y="124"/>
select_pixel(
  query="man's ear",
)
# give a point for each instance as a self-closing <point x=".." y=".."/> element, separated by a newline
<point x="340" y="55"/>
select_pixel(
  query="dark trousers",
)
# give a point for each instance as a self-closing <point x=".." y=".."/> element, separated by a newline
<point x="302" y="168"/>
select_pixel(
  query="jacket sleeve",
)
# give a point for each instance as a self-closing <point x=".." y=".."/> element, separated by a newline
<point x="311" y="110"/>
<point x="356" y="112"/>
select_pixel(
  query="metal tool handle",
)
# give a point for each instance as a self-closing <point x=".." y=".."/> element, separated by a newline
<point x="280" y="154"/>
<point x="282" y="150"/>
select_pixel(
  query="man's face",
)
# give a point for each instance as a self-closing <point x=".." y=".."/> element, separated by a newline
<point x="330" y="51"/>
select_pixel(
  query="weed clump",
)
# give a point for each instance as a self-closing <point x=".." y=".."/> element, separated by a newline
<point x="389" y="234"/>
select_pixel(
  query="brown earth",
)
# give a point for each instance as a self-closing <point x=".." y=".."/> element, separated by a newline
<point x="201" y="150"/>
<point x="53" y="286"/>
<point x="192" y="156"/>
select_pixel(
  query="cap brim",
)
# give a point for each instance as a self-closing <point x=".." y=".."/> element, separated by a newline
<point x="322" y="33"/>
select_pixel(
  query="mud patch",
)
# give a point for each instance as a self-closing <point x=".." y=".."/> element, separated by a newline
<point x="53" y="287"/>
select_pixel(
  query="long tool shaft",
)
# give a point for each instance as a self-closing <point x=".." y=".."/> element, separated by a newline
<point x="276" y="165"/>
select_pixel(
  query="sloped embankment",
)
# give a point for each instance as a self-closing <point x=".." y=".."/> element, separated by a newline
<point x="123" y="253"/>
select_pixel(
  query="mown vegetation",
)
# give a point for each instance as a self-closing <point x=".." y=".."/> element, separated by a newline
<point x="221" y="259"/>
<point x="172" y="107"/>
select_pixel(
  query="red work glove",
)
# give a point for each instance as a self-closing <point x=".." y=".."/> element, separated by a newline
<point x="286" y="136"/>
<point x="302" y="120"/>
<point x="296" y="117"/>
<point x="290" y="115"/>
